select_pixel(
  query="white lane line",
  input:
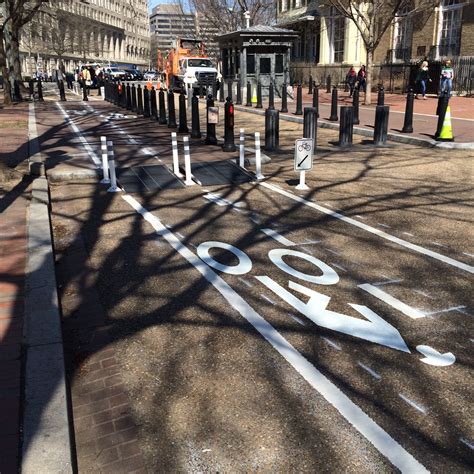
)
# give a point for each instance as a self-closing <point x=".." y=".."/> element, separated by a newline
<point x="469" y="444"/>
<point x="415" y="405"/>
<point x="268" y="299"/>
<point x="468" y="254"/>
<point x="391" y="301"/>
<point x="217" y="199"/>
<point x="360" y="217"/>
<point x="338" y="266"/>
<point x="408" y="233"/>
<point x="245" y="282"/>
<point x="298" y="320"/>
<point x="331" y="343"/>
<point x="387" y="282"/>
<point x="278" y="237"/>
<point x="76" y="130"/>
<point x="308" y="242"/>
<point x="439" y="245"/>
<point x="447" y="310"/>
<point x="181" y="236"/>
<point x="384" y="225"/>
<point x="381" y="440"/>
<point x="373" y="230"/>
<point x="372" y="372"/>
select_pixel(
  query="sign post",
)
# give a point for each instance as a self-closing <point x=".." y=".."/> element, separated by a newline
<point x="303" y="159"/>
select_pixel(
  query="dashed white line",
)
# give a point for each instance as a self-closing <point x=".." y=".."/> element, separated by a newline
<point x="415" y="405"/>
<point x="439" y="245"/>
<point x="408" y="233"/>
<point x="468" y="254"/>
<point x="298" y="320"/>
<point x="331" y="343"/>
<point x="387" y="282"/>
<point x="268" y="299"/>
<point x="372" y="372"/>
<point x="245" y="282"/>
<point x="384" y="225"/>
<point x="446" y="310"/>
<point x="469" y="444"/>
<point x="278" y="237"/>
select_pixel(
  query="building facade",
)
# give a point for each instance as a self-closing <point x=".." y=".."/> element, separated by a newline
<point x="328" y="41"/>
<point x="74" y="32"/>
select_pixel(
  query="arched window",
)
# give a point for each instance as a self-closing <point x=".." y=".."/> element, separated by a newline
<point x="449" y="28"/>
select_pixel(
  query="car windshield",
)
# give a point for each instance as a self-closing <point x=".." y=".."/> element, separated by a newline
<point x="199" y="63"/>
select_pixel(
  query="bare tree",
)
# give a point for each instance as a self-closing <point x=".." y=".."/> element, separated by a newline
<point x="372" y="18"/>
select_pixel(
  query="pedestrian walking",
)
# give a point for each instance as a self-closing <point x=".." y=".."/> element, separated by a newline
<point x="362" y="78"/>
<point x="447" y="75"/>
<point x="351" y="79"/>
<point x="86" y="78"/>
<point x="422" y="79"/>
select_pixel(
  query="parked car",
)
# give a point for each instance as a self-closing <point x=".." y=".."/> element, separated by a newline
<point x="115" y="73"/>
<point x="151" y="76"/>
<point x="133" y="75"/>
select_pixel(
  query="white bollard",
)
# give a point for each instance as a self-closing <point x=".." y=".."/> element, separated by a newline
<point x="302" y="186"/>
<point x="105" y="162"/>
<point x="187" y="162"/>
<point x="258" y="157"/>
<point x="174" y="148"/>
<point x="102" y="92"/>
<point x="113" y="178"/>
<point x="242" y="148"/>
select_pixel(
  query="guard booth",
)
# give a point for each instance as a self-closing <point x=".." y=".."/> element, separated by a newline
<point x="258" y="53"/>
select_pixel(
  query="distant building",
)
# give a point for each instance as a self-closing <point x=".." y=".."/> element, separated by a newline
<point x="170" y="21"/>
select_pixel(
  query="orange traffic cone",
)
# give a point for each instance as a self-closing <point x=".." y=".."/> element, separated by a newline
<point x="446" y="134"/>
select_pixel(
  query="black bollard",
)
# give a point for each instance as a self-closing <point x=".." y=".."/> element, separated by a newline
<point x="229" y="144"/>
<point x="210" y="127"/>
<point x="333" y="117"/>
<point x="310" y="86"/>
<point x="284" y="99"/>
<point x="162" y="108"/>
<point x="183" y="120"/>
<point x="31" y="85"/>
<point x="328" y="84"/>
<point x="316" y="99"/>
<point x="84" y="91"/>
<point x="229" y="89"/>
<point x="201" y="90"/>
<point x="408" y="122"/>
<point x="259" y="96"/>
<point x="16" y="91"/>
<point x="171" y="111"/>
<point x="195" y="125"/>
<point x="299" y="100"/>
<point x="62" y="93"/>
<point x="134" y="98"/>
<point x="271" y="97"/>
<point x="381" y="96"/>
<point x="214" y="89"/>
<point x="239" y="93"/>
<point x="272" y="129"/>
<point x="139" y="100"/>
<point x="249" y="95"/>
<point x="346" y="126"/>
<point x="221" y="91"/>
<point x="100" y="83"/>
<point x="129" y="98"/>
<point x="381" y="124"/>
<point x="146" y="102"/>
<point x="355" y="105"/>
<point x="310" y="124"/>
<point x="40" y="91"/>
<point x="153" y="107"/>
<point x="443" y="105"/>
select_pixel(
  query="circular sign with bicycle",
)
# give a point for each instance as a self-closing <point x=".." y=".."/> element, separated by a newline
<point x="303" y="154"/>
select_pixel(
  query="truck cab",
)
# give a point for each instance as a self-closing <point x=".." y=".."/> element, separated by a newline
<point x="197" y="71"/>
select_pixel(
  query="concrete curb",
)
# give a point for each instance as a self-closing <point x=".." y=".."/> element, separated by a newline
<point x="47" y="443"/>
<point x="394" y="137"/>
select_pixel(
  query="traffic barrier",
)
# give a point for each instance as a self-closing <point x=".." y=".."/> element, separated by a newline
<point x="446" y="134"/>
<point x="105" y="161"/>
<point x="328" y="84"/>
<point x="62" y="93"/>
<point x="381" y="124"/>
<point x="183" y="120"/>
<point x="408" y="122"/>
<point x="299" y="100"/>
<point x="254" y="95"/>
<point x="111" y="164"/>
<point x="139" y="100"/>
<point x="310" y="85"/>
<point x="442" y="107"/>
<point x="187" y="163"/>
<point x="333" y="117"/>
<point x="355" y="106"/>
<point x="195" y="125"/>
<point x="242" y="148"/>
<point x="310" y="124"/>
<point x="249" y="95"/>
<point x="221" y="91"/>
<point x="316" y="99"/>
<point x="146" y="102"/>
<point x="211" y="138"/>
<point x="346" y="126"/>
<point x="258" y="157"/>
<point x="381" y="96"/>
<point x="154" y="110"/>
<point x="272" y="129"/>
<point x="259" y="96"/>
<point x="162" y="108"/>
<point x="271" y="97"/>
<point x="239" y="93"/>
<point x="171" y="111"/>
<point x="84" y="91"/>
<point x="174" y="149"/>
<point x="229" y="89"/>
<point x="284" y="99"/>
<point x="229" y="145"/>
<point x="134" y="98"/>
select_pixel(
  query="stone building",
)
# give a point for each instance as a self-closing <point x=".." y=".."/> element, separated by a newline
<point x="330" y="43"/>
<point x="108" y="32"/>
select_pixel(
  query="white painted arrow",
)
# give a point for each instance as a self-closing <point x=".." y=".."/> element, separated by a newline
<point x="433" y="357"/>
<point x="375" y="329"/>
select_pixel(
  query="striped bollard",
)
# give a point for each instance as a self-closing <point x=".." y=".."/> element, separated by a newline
<point x="105" y="162"/>
<point x="258" y="157"/>
<point x="242" y="148"/>
<point x="187" y="162"/>
<point x="174" y="148"/>
<point x="111" y="163"/>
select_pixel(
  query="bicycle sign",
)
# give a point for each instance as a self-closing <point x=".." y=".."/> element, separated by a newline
<point x="303" y="154"/>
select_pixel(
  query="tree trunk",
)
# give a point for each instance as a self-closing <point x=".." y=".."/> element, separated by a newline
<point x="12" y="43"/>
<point x="3" y="66"/>
<point x="368" y="76"/>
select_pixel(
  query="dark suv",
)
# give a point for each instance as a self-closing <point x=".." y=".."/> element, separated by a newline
<point x="133" y="75"/>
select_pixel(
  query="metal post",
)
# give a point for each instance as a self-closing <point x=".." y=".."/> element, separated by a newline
<point x="134" y="99"/>
<point x="229" y="89"/>
<point x="346" y="126"/>
<point x="310" y="124"/>
<point x="129" y="97"/>
<point x="174" y="149"/>
<point x="154" y="111"/>
<point x="284" y="99"/>
<point x="84" y="91"/>
<point x="381" y="96"/>
<point x="272" y="129"/>
<point x="171" y="111"/>
<point x="242" y="148"/>
<point x="139" y="100"/>
<point x="201" y="90"/>
<point x="299" y="100"/>
<point x="381" y="124"/>
<point x="146" y="102"/>
<point x="249" y="95"/>
<point x="111" y="163"/>
<point x="183" y="120"/>
<point x="105" y="162"/>
<point x="333" y="117"/>
<point x="221" y="91"/>
<point x="328" y="84"/>
<point x="310" y="86"/>
<point x="195" y="125"/>
<point x="162" y="108"/>
<point x="229" y="144"/>
<point x="258" y="157"/>
<point x="239" y="93"/>
<point x="316" y="99"/>
<point x="210" y="127"/>
<point x="271" y="97"/>
<point x="408" y="122"/>
<point x="259" y="96"/>
<point x="187" y="162"/>
<point x="214" y="89"/>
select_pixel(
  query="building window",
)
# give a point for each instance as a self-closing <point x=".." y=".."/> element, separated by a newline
<point x="265" y="66"/>
<point x="449" y="28"/>
<point x="401" y="44"/>
<point x="279" y="63"/>
<point x="337" y="34"/>
<point x="251" y="64"/>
